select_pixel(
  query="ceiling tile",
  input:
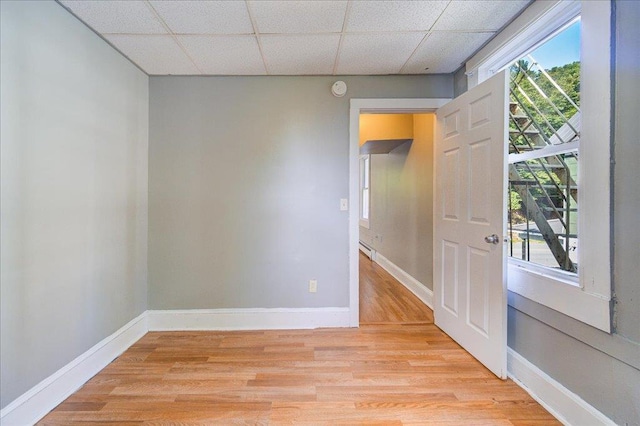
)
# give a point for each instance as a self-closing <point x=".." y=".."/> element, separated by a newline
<point x="117" y="17"/>
<point x="464" y="15"/>
<point x="225" y="55"/>
<point x="376" y="53"/>
<point x="444" y="52"/>
<point x="205" y="17"/>
<point x="368" y="15"/>
<point x="157" y="55"/>
<point x="300" y="54"/>
<point x="310" y="16"/>
<point x="297" y="36"/>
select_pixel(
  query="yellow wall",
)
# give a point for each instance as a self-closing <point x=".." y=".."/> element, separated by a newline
<point x="385" y="126"/>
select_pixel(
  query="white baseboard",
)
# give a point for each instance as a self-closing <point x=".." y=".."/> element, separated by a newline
<point x="368" y="251"/>
<point x="415" y="286"/>
<point x="46" y="395"/>
<point x="563" y="404"/>
<point x="247" y="319"/>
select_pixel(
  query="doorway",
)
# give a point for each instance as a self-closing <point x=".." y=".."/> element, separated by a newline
<point x="358" y="107"/>
<point x="396" y="198"/>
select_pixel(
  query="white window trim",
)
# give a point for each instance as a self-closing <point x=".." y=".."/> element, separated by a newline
<point x="536" y="24"/>
<point x="588" y="300"/>
<point x="365" y="223"/>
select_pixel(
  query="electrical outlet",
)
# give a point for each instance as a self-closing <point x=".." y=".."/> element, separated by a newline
<point x="313" y="286"/>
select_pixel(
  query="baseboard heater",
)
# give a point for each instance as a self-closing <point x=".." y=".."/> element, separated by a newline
<point x="368" y="251"/>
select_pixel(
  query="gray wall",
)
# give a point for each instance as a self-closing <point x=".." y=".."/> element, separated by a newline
<point x="603" y="369"/>
<point x="460" y="81"/>
<point x="245" y="178"/>
<point x="74" y="188"/>
<point x="401" y="220"/>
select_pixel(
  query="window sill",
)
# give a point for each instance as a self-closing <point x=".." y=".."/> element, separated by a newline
<point x="545" y="272"/>
<point x="562" y="295"/>
<point x="364" y="223"/>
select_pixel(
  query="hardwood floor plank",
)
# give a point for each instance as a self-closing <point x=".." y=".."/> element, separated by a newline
<point x="326" y="413"/>
<point x="384" y="300"/>
<point x="397" y="368"/>
<point x="81" y="406"/>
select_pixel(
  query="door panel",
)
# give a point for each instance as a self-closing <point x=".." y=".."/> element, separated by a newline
<point x="479" y="175"/>
<point x="469" y="205"/>
<point x="451" y="185"/>
<point x="450" y="269"/>
<point x="479" y="266"/>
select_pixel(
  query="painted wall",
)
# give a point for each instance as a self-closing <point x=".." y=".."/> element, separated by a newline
<point x="385" y="126"/>
<point x="73" y="192"/>
<point x="245" y="180"/>
<point x="460" y="82"/>
<point x="603" y="369"/>
<point x="401" y="219"/>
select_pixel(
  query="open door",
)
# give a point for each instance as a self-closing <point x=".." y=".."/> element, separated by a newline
<point x="470" y="289"/>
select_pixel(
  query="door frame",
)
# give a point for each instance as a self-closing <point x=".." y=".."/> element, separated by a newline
<point x="357" y="107"/>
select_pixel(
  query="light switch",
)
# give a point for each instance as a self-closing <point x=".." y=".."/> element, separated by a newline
<point x="344" y="204"/>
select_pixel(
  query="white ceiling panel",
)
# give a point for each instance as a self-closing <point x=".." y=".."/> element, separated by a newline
<point x="490" y="15"/>
<point x="376" y="53"/>
<point x="117" y="17"/>
<point x="444" y="52"/>
<point x="157" y="55"/>
<point x="296" y="37"/>
<point x="300" y="54"/>
<point x="310" y="16"/>
<point x="225" y="55"/>
<point x="372" y="15"/>
<point x="205" y="17"/>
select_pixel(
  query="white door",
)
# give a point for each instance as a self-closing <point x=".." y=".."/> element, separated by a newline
<point x="470" y="291"/>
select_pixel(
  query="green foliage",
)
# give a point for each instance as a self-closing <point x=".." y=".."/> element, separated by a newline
<point x="527" y="76"/>
<point x="542" y="176"/>
<point x="515" y="200"/>
<point x="567" y="77"/>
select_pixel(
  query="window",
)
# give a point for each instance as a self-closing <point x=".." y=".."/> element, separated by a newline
<point x="365" y="194"/>
<point x="544" y="140"/>
<point x="570" y="173"/>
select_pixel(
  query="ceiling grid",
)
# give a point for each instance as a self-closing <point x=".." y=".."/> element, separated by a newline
<point x="344" y="28"/>
<point x="168" y="29"/>
<point x="254" y="25"/>
<point x="296" y="37"/>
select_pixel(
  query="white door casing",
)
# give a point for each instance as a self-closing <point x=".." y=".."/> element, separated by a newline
<point x="357" y="107"/>
<point x="470" y="289"/>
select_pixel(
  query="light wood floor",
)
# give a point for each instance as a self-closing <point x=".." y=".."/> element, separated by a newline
<point x="397" y="368"/>
<point x="383" y="300"/>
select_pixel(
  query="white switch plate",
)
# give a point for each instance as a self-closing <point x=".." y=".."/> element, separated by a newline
<point x="313" y="286"/>
<point x="344" y="204"/>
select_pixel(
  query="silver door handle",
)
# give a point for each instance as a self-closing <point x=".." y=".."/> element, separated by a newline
<point x="492" y="239"/>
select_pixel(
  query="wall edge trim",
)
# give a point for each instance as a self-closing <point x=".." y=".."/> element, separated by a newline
<point x="414" y="286"/>
<point x="248" y="319"/>
<point x="562" y="403"/>
<point x="34" y="404"/>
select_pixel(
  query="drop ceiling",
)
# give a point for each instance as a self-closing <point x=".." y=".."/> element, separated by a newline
<point x="296" y="37"/>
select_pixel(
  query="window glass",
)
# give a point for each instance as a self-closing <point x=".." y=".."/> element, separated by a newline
<point x="544" y="135"/>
